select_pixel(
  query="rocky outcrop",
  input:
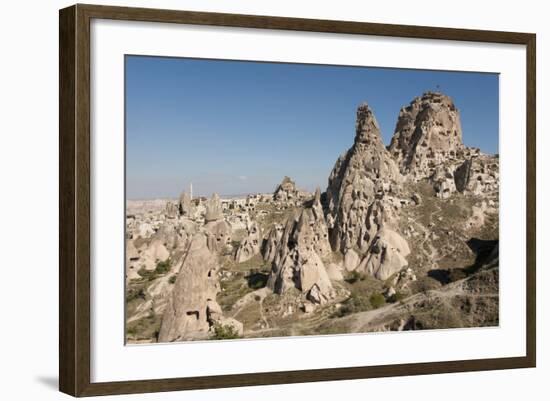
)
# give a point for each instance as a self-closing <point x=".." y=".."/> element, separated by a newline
<point x="174" y="233"/>
<point x="334" y="272"/>
<point x="478" y="175"/>
<point x="172" y="210"/>
<point x="302" y="269"/>
<point x="359" y="187"/>
<point x="154" y="253"/>
<point x="443" y="181"/>
<point x="271" y="243"/>
<point x="386" y="256"/>
<point x="214" y="209"/>
<point x="185" y="316"/>
<point x="251" y="244"/>
<point x="428" y="133"/>
<point x="218" y="234"/>
<point x="185" y="205"/>
<point x="286" y="190"/>
<point x="215" y="318"/>
<point x="297" y="262"/>
<point x="217" y="230"/>
<point x="132" y="256"/>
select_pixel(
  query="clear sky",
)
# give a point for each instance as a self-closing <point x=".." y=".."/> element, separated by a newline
<point x="235" y="127"/>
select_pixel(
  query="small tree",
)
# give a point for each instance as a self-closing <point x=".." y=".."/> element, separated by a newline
<point x="377" y="300"/>
<point x="226" y="332"/>
<point x="163" y="267"/>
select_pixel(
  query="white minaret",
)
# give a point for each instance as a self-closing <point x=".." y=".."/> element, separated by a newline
<point x="191" y="190"/>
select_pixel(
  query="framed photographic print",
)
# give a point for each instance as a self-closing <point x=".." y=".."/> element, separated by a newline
<point x="250" y="200"/>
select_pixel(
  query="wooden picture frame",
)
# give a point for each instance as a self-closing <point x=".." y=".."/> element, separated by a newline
<point x="74" y="199"/>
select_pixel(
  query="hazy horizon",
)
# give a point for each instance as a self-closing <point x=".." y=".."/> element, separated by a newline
<point x="238" y="127"/>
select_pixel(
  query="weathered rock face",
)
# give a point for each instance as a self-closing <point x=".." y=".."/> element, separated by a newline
<point x="215" y="317"/>
<point x="443" y="181"/>
<point x="478" y="175"/>
<point x="132" y="256"/>
<point x="217" y="230"/>
<point x="185" y="205"/>
<point x="271" y="243"/>
<point x="251" y="245"/>
<point x="302" y="269"/>
<point x="174" y="233"/>
<point x="218" y="234"/>
<point x="297" y="262"/>
<point x="185" y="316"/>
<point x="386" y="256"/>
<point x="155" y="252"/>
<point x="172" y="210"/>
<point x="428" y="133"/>
<point x="358" y="187"/>
<point x="214" y="209"/>
<point x="286" y="190"/>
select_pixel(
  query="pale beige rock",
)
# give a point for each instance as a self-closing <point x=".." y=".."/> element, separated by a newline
<point x="478" y="175"/>
<point x="477" y="218"/>
<point x="364" y="174"/>
<point x="386" y="256"/>
<point x="334" y="272"/>
<point x="185" y="316"/>
<point x="443" y="182"/>
<point x="286" y="190"/>
<point x="428" y="133"/>
<point x="132" y="261"/>
<point x="271" y="245"/>
<point x="231" y="322"/>
<point x="218" y="233"/>
<point x="185" y="205"/>
<point x="154" y="253"/>
<point x="214" y="209"/>
<point x="251" y="244"/>
<point x="297" y="262"/>
<point x="171" y="211"/>
<point x="351" y="260"/>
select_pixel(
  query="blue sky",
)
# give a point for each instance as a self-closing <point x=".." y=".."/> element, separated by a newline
<point x="237" y="127"/>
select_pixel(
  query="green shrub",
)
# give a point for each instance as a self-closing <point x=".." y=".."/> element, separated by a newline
<point x="222" y="332"/>
<point x="425" y="284"/>
<point x="163" y="267"/>
<point x="377" y="300"/>
<point x="355" y="276"/>
<point x="172" y="279"/>
<point x="256" y="279"/>
<point x="398" y="296"/>
<point x="456" y="274"/>
<point x="134" y="293"/>
<point x="355" y="303"/>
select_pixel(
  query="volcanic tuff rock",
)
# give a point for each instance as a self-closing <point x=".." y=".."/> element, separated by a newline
<point x="271" y="243"/>
<point x="185" y="205"/>
<point x="218" y="231"/>
<point x="428" y="133"/>
<point x="213" y="209"/>
<point x="376" y="197"/>
<point x="250" y="246"/>
<point x="297" y="262"/>
<point x="172" y="210"/>
<point x="185" y="316"/>
<point x="386" y="255"/>
<point x="478" y="175"/>
<point x="215" y="317"/>
<point x="286" y="190"/>
<point x="360" y="186"/>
